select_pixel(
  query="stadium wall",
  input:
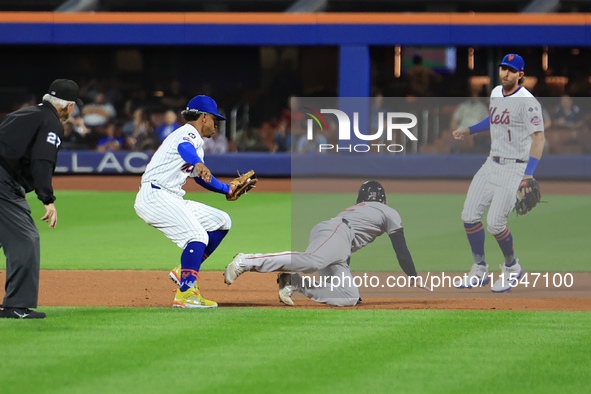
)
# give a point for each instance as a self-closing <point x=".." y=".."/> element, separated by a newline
<point x="323" y="165"/>
<point x="353" y="33"/>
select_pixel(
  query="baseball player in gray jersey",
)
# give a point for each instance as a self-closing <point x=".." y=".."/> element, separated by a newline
<point x="517" y="141"/>
<point x="196" y="228"/>
<point x="329" y="251"/>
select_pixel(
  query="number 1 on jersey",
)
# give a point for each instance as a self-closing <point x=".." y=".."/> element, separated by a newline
<point x="509" y="131"/>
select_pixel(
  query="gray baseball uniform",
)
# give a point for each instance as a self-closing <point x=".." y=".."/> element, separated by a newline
<point x="329" y="251"/>
<point x="513" y="120"/>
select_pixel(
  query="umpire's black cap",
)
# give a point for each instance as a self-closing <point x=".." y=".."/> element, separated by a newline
<point x="65" y="89"/>
<point x="371" y="191"/>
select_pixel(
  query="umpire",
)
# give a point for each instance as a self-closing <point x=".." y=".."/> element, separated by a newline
<point x="29" y="141"/>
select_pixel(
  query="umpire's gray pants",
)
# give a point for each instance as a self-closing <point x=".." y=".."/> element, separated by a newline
<point x="20" y="239"/>
<point x="328" y="252"/>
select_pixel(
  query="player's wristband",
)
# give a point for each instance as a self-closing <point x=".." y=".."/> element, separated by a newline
<point x="482" y="126"/>
<point x="188" y="153"/>
<point x="532" y="163"/>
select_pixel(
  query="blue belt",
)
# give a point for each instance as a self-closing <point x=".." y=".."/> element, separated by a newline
<point x="502" y="160"/>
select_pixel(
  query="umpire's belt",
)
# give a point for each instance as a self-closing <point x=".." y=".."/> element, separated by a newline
<point x="502" y="160"/>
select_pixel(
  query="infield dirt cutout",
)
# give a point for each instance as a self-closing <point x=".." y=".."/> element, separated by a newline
<point x="126" y="288"/>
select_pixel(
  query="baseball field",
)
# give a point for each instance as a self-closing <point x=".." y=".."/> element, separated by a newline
<point x="111" y="328"/>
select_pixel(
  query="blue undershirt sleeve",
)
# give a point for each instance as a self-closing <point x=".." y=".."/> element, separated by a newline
<point x="214" y="185"/>
<point x="482" y="126"/>
<point x="188" y="153"/>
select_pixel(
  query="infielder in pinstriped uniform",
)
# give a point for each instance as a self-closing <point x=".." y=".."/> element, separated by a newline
<point x="517" y="136"/>
<point x="329" y="251"/>
<point x="196" y="228"/>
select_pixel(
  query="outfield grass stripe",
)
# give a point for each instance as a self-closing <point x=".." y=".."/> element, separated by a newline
<point x="293" y="351"/>
<point x="100" y="230"/>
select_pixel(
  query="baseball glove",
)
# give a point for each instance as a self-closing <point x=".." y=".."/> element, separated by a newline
<point x="528" y="196"/>
<point x="241" y="185"/>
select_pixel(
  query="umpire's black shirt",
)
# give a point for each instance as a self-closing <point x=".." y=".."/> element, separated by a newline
<point x="29" y="142"/>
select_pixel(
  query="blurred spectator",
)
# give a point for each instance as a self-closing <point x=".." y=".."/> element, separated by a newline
<point x="282" y="138"/>
<point x="112" y="140"/>
<point x="310" y="146"/>
<point x="99" y="112"/>
<point x="138" y="97"/>
<point x="137" y="125"/>
<point x="145" y="140"/>
<point x="568" y="115"/>
<point x="250" y="140"/>
<point x="79" y="126"/>
<point x="291" y="127"/>
<point x="139" y="134"/>
<point x="170" y="124"/>
<point x="468" y="113"/>
<point x="110" y="86"/>
<point x="72" y="139"/>
<point x="174" y="97"/>
<point x="218" y="143"/>
<point x="267" y="133"/>
<point x="422" y="81"/>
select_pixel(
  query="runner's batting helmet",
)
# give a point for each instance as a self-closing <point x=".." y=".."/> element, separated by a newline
<point x="371" y="191"/>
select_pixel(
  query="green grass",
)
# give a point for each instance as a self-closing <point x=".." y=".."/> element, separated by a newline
<point x="553" y="237"/>
<point x="100" y="230"/>
<point x="152" y="350"/>
<point x="231" y="350"/>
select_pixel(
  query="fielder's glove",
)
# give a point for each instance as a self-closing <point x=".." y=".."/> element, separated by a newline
<point x="241" y="185"/>
<point x="528" y="196"/>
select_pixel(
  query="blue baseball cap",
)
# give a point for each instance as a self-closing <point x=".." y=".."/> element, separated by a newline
<point x="204" y="104"/>
<point x="514" y="61"/>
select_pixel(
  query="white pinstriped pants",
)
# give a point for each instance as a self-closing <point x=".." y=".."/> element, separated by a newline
<point x="495" y="186"/>
<point x="182" y="221"/>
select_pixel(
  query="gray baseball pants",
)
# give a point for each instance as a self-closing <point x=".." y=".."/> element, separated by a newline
<point x="328" y="254"/>
<point x="20" y="239"/>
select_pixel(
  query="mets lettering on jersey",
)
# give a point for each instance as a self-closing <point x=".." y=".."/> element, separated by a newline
<point x="513" y="119"/>
<point x="503" y="118"/>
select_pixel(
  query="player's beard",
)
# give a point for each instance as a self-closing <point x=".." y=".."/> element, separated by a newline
<point x="509" y="85"/>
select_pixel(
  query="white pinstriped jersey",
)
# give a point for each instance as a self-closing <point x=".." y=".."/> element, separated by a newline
<point x="369" y="220"/>
<point x="513" y="119"/>
<point x="167" y="169"/>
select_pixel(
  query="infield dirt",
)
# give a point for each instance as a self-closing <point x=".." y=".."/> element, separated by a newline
<point x="155" y="289"/>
